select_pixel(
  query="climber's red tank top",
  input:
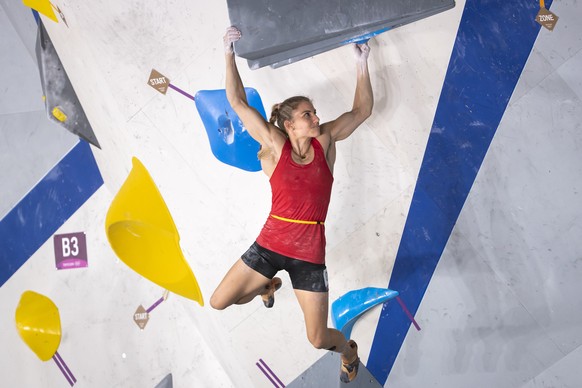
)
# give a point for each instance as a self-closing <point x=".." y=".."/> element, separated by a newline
<point x="300" y="193"/>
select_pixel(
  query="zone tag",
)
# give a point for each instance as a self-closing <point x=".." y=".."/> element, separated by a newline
<point x="546" y="18"/>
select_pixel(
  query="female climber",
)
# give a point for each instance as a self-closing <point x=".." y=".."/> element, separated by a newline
<point x="298" y="155"/>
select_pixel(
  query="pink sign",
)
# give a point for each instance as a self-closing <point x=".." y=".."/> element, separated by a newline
<point x="70" y="250"/>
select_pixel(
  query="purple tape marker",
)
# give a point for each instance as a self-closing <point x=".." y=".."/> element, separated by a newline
<point x="407" y="313"/>
<point x="181" y="91"/>
<point x="270" y="371"/>
<point x="63" y="371"/>
<point x="266" y="374"/>
<point x="65" y="365"/>
<point x="155" y="305"/>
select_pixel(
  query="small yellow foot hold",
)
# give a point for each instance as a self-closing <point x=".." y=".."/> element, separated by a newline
<point x="59" y="114"/>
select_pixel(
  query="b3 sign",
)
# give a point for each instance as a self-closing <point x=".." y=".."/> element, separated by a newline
<point x="70" y="250"/>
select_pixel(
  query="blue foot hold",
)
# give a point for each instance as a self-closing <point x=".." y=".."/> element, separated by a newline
<point x="346" y="310"/>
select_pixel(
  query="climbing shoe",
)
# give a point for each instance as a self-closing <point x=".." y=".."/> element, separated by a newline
<point x="350" y="362"/>
<point x="269" y="296"/>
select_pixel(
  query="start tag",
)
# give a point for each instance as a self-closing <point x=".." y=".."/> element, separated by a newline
<point x="158" y="81"/>
<point x="141" y="317"/>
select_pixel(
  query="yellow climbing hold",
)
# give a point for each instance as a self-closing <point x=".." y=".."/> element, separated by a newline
<point x="42" y="6"/>
<point x="39" y="324"/>
<point x="59" y="114"/>
<point x="141" y="231"/>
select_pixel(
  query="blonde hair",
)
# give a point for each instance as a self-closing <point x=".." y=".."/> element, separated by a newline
<point x="279" y="114"/>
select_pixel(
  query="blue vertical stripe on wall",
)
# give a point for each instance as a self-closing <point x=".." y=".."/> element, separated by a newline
<point x="46" y="207"/>
<point x="492" y="45"/>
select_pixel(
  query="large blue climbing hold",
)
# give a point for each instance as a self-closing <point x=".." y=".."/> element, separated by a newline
<point x="230" y="141"/>
<point x="346" y="309"/>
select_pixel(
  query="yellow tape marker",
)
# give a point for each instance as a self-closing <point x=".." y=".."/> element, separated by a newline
<point x="297" y="221"/>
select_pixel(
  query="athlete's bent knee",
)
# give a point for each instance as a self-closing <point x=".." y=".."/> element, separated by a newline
<point x="217" y="303"/>
<point x="319" y="341"/>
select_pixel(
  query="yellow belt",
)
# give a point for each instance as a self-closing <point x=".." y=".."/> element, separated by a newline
<point x="297" y="221"/>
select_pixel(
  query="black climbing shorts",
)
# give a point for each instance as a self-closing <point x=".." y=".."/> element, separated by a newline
<point x="304" y="275"/>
